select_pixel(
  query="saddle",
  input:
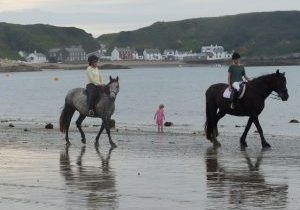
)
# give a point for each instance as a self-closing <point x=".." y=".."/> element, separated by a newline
<point x="241" y="92"/>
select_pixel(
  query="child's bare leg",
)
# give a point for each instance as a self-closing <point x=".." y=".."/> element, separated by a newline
<point x="158" y="128"/>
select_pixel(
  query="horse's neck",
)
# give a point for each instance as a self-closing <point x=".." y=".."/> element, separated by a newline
<point x="262" y="86"/>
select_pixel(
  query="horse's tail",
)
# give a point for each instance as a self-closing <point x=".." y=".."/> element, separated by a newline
<point x="211" y="118"/>
<point x="65" y="117"/>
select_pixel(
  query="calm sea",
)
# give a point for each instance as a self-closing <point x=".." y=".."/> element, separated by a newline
<point x="35" y="97"/>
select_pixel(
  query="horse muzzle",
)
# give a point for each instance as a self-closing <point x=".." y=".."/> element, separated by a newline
<point x="113" y="96"/>
<point x="284" y="96"/>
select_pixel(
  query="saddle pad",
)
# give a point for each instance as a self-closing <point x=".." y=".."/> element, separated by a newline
<point x="227" y="93"/>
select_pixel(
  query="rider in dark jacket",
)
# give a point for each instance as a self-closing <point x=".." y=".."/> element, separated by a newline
<point x="236" y="75"/>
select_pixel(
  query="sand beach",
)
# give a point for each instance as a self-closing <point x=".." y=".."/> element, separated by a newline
<point x="146" y="171"/>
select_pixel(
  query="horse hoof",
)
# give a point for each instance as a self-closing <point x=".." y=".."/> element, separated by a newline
<point x="83" y="141"/>
<point x="96" y="144"/>
<point x="216" y="144"/>
<point x="113" y="145"/>
<point x="266" y="145"/>
<point x="244" y="144"/>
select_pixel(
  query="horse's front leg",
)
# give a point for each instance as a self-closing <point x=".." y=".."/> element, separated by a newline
<point x="220" y="115"/>
<point x="99" y="133"/>
<point x="243" y="137"/>
<point x="264" y="143"/>
<point x="78" y="124"/>
<point x="112" y="144"/>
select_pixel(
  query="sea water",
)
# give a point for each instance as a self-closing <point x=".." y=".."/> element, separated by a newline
<point x="38" y="97"/>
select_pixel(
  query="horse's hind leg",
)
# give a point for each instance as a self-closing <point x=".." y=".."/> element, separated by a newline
<point x="78" y="124"/>
<point x="243" y="137"/>
<point x="219" y="116"/>
<point x="211" y="124"/>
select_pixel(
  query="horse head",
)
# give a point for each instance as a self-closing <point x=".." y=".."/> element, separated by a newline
<point x="113" y="87"/>
<point x="280" y="86"/>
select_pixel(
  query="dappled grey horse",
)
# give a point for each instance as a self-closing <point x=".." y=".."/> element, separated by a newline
<point x="76" y="100"/>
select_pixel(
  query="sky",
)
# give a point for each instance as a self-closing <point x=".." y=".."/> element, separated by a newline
<point x="109" y="16"/>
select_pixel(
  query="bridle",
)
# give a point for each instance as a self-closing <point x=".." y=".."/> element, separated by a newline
<point x="277" y="96"/>
<point x="113" y="91"/>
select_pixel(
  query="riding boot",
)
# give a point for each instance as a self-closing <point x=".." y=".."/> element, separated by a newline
<point x="91" y="95"/>
<point x="233" y="97"/>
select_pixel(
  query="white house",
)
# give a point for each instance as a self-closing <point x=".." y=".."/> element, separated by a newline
<point x="180" y="55"/>
<point x="169" y="54"/>
<point x="36" y="58"/>
<point x="135" y="55"/>
<point x="115" y="55"/>
<point x="152" y="55"/>
<point x="215" y="52"/>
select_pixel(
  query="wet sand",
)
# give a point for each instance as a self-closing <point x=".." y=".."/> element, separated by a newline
<point x="146" y="171"/>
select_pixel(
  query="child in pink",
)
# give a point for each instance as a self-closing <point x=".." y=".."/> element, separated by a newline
<point x="160" y="117"/>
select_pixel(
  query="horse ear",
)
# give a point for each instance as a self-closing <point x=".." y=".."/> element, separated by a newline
<point x="110" y="78"/>
<point x="283" y="73"/>
<point x="277" y="72"/>
<point x="118" y="78"/>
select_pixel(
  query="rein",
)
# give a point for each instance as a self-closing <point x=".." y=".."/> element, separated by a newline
<point x="276" y="96"/>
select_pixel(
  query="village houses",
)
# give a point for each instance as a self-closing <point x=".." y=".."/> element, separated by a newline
<point x="215" y="52"/>
<point x="36" y="57"/>
<point x="169" y="54"/>
<point x="152" y="55"/>
<point x="73" y="54"/>
<point x="124" y="54"/>
<point x="180" y="55"/>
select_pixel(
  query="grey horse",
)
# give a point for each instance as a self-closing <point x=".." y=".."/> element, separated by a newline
<point x="76" y="100"/>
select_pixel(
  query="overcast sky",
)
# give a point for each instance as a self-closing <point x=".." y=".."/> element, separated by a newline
<point x="108" y="16"/>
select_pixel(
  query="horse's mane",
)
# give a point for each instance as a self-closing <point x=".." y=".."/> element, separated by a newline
<point x="263" y="77"/>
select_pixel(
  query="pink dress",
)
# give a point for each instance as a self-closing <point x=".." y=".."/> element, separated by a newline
<point x="159" y="116"/>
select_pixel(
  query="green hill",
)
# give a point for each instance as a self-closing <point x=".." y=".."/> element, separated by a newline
<point x="14" y="38"/>
<point x="253" y="34"/>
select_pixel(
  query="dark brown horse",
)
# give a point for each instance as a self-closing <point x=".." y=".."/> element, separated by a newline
<point x="251" y="105"/>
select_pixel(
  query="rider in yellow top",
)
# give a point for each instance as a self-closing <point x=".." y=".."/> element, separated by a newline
<point x="94" y="80"/>
<point x="236" y="73"/>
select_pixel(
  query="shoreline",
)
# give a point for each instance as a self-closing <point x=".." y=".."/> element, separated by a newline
<point x="7" y="66"/>
<point x="14" y="66"/>
<point x="25" y="127"/>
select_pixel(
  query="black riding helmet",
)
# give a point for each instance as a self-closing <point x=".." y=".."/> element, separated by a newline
<point x="235" y="56"/>
<point x="92" y="59"/>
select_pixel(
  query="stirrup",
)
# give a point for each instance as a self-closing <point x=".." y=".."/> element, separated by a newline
<point x="232" y="105"/>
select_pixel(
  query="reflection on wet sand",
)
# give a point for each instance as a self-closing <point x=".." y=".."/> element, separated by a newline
<point x="242" y="187"/>
<point x="94" y="185"/>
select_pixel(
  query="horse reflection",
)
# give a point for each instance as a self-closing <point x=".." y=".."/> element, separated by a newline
<point x="97" y="184"/>
<point x="242" y="186"/>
